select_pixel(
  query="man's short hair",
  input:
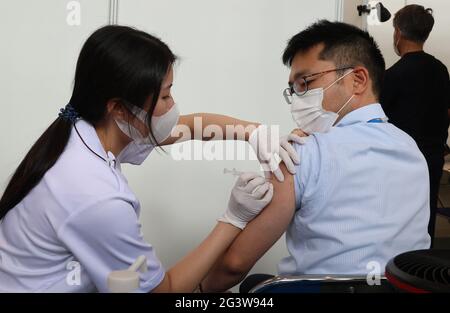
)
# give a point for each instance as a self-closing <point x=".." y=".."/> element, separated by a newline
<point x="344" y="44"/>
<point x="415" y="22"/>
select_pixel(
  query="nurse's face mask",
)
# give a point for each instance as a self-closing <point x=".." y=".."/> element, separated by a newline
<point x="307" y="105"/>
<point x="142" y="143"/>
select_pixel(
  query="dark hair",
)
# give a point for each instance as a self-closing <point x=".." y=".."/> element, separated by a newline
<point x="415" y="22"/>
<point x="344" y="44"/>
<point x="116" y="62"/>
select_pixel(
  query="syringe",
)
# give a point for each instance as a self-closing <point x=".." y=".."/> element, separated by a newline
<point x="235" y="172"/>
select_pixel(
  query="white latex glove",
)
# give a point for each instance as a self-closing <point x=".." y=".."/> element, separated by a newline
<point x="250" y="194"/>
<point x="267" y="144"/>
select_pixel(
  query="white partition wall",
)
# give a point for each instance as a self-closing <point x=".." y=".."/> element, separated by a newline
<point x="229" y="62"/>
<point x="40" y="42"/>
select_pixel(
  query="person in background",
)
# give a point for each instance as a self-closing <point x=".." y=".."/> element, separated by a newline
<point x="416" y="94"/>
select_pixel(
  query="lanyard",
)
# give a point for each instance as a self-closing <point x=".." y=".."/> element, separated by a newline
<point x="107" y="161"/>
<point x="378" y="120"/>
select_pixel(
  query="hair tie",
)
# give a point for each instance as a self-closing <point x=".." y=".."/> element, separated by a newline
<point x="68" y="113"/>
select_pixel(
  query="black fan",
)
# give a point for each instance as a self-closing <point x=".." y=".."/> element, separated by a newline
<point x="420" y="271"/>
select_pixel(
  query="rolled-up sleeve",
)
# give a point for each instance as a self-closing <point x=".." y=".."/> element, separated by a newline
<point x="107" y="237"/>
<point x="306" y="177"/>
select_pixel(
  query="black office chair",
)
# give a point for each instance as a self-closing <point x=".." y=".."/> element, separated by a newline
<point x="421" y="271"/>
<point x="442" y="209"/>
<point x="321" y="284"/>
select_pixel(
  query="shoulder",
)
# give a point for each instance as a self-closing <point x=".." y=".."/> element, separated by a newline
<point x="400" y="139"/>
<point x="80" y="180"/>
<point x="441" y="65"/>
<point x="307" y="171"/>
<point x="310" y="147"/>
<point x="80" y="170"/>
<point x="316" y="145"/>
<point x="106" y="216"/>
<point x="395" y="68"/>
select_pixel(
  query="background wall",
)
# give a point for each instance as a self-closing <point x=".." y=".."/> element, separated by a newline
<point x="230" y="63"/>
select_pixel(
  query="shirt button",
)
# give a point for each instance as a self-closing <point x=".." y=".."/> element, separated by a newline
<point x="111" y="159"/>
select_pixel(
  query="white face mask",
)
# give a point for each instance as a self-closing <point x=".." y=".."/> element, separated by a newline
<point x="135" y="153"/>
<point x="162" y="125"/>
<point x="141" y="146"/>
<point x="308" y="112"/>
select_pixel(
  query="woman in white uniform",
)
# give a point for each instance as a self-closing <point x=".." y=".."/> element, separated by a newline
<point x="69" y="208"/>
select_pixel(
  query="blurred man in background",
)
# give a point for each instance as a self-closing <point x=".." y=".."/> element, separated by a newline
<point x="416" y="94"/>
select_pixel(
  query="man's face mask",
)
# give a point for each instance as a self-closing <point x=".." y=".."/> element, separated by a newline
<point x="308" y="112"/>
<point x="141" y="146"/>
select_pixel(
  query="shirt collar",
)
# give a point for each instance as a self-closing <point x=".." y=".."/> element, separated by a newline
<point x="89" y="135"/>
<point x="363" y="114"/>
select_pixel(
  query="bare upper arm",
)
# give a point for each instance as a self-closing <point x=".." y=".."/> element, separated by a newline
<point x="262" y="233"/>
<point x="164" y="286"/>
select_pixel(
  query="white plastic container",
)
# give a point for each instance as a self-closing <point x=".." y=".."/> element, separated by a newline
<point x="127" y="280"/>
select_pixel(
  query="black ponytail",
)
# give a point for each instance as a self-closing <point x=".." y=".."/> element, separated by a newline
<point x="41" y="157"/>
<point x="116" y="62"/>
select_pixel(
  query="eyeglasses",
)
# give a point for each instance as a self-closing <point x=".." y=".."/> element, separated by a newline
<point x="300" y="85"/>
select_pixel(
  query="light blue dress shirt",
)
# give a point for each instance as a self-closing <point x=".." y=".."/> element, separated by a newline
<point x="362" y="196"/>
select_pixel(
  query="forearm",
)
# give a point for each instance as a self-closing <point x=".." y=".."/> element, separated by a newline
<point x="210" y="126"/>
<point x="245" y="251"/>
<point x="187" y="274"/>
<point x="224" y="275"/>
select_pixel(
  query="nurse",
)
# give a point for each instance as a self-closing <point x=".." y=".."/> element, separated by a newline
<point x="69" y="208"/>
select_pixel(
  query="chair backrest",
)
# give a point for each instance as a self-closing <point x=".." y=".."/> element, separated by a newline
<point x="322" y="284"/>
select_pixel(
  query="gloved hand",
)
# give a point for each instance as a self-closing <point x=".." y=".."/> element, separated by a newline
<point x="250" y="194"/>
<point x="267" y="144"/>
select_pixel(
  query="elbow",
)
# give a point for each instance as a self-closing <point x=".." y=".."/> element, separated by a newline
<point x="236" y="265"/>
<point x="230" y="270"/>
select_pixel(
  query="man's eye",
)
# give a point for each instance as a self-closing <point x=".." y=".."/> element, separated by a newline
<point x="300" y="86"/>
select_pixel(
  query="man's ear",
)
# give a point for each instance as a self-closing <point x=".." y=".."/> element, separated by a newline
<point x="361" y="80"/>
<point x="397" y="34"/>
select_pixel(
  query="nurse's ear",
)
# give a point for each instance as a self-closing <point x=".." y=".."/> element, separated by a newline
<point x="361" y="80"/>
<point x="116" y="110"/>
